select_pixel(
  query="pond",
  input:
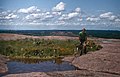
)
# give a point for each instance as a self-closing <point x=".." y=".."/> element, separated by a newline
<point x="36" y="65"/>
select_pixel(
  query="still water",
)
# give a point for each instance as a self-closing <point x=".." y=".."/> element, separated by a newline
<point x="25" y="66"/>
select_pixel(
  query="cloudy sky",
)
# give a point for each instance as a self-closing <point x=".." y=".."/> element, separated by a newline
<point x="60" y="14"/>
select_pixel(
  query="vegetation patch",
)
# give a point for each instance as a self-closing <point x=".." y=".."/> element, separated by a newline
<point x="42" y="49"/>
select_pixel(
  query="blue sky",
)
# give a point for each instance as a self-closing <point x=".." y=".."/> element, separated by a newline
<point x="60" y="14"/>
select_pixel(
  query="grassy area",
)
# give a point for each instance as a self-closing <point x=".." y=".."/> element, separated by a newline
<point x="42" y="49"/>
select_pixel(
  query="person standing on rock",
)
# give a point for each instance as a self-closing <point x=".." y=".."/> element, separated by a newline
<point x="83" y="40"/>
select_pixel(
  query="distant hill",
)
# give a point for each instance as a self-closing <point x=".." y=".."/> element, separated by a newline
<point x="73" y="33"/>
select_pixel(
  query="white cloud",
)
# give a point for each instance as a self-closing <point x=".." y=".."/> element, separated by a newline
<point x="80" y="19"/>
<point x="78" y="9"/>
<point x="31" y="9"/>
<point x="69" y="16"/>
<point x="47" y="13"/>
<point x="75" y="13"/>
<point x="48" y="16"/>
<point x="56" y="16"/>
<point x="4" y="13"/>
<point x="108" y="15"/>
<point x="34" y="16"/>
<point x="11" y="16"/>
<point x="60" y="22"/>
<point x="56" y="13"/>
<point x="63" y="17"/>
<point x="93" y="19"/>
<point x="113" y="17"/>
<point x="117" y="20"/>
<point x="40" y="16"/>
<point x="59" y="7"/>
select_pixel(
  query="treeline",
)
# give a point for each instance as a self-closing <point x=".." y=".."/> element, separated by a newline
<point x="91" y="33"/>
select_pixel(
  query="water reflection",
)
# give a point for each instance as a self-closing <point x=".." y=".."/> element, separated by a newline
<point x="37" y="65"/>
<point x="58" y="61"/>
<point x="31" y="60"/>
<point x="26" y="60"/>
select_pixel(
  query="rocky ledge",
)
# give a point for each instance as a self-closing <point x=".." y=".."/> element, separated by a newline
<point x="105" y="61"/>
<point x="102" y="63"/>
<point x="3" y="64"/>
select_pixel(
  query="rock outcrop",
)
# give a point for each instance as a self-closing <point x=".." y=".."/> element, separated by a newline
<point x="32" y="74"/>
<point x="102" y="63"/>
<point x="3" y="64"/>
<point x="105" y="60"/>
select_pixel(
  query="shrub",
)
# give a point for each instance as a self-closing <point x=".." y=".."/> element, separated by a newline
<point x="43" y="48"/>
